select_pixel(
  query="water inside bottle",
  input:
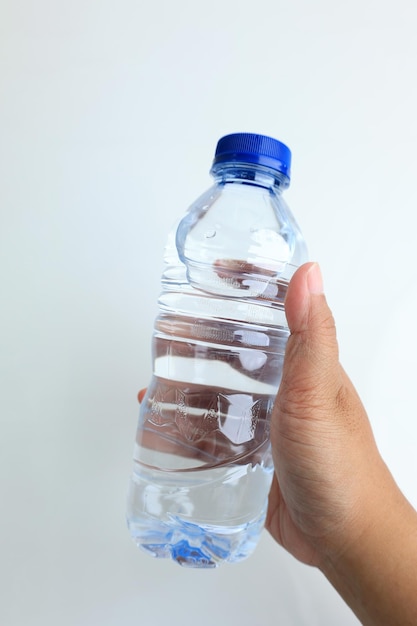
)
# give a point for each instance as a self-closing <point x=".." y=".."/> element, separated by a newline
<point x="202" y="452"/>
<point x="202" y="459"/>
<point x="175" y="514"/>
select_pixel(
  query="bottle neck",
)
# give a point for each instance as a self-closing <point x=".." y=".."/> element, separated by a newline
<point x="257" y="175"/>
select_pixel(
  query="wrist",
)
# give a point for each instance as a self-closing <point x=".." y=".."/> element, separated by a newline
<point x="374" y="563"/>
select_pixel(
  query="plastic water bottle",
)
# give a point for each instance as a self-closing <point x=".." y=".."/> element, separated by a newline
<point x="202" y="459"/>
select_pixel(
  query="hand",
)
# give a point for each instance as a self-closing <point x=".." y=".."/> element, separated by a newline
<point x="322" y="442"/>
<point x="333" y="502"/>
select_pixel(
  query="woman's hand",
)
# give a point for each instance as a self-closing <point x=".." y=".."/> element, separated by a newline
<point x="333" y="502"/>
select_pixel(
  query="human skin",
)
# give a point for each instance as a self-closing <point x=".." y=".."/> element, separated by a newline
<point x="333" y="502"/>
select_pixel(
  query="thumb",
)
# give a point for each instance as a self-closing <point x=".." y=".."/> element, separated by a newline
<point x="312" y="355"/>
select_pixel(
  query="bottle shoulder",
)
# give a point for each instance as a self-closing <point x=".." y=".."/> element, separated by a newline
<point x="238" y="225"/>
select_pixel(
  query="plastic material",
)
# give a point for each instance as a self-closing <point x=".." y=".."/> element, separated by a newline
<point x="250" y="148"/>
<point x="202" y="460"/>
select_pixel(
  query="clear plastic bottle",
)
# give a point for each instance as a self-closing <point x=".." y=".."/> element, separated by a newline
<point x="202" y="459"/>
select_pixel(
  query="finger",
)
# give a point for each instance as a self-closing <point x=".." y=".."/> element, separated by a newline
<point x="312" y="351"/>
<point x="272" y="521"/>
<point x="141" y="395"/>
<point x="305" y="286"/>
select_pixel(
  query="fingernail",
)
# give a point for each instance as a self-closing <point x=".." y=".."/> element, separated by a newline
<point x="315" y="280"/>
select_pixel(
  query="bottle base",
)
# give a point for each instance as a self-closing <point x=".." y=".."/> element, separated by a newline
<point x="191" y="545"/>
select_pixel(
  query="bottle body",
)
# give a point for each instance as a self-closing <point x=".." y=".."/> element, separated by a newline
<point x="202" y="459"/>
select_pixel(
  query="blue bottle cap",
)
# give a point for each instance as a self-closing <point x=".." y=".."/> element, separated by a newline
<point x="257" y="149"/>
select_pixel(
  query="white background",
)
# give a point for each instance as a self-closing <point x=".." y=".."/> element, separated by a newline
<point x="109" y="116"/>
